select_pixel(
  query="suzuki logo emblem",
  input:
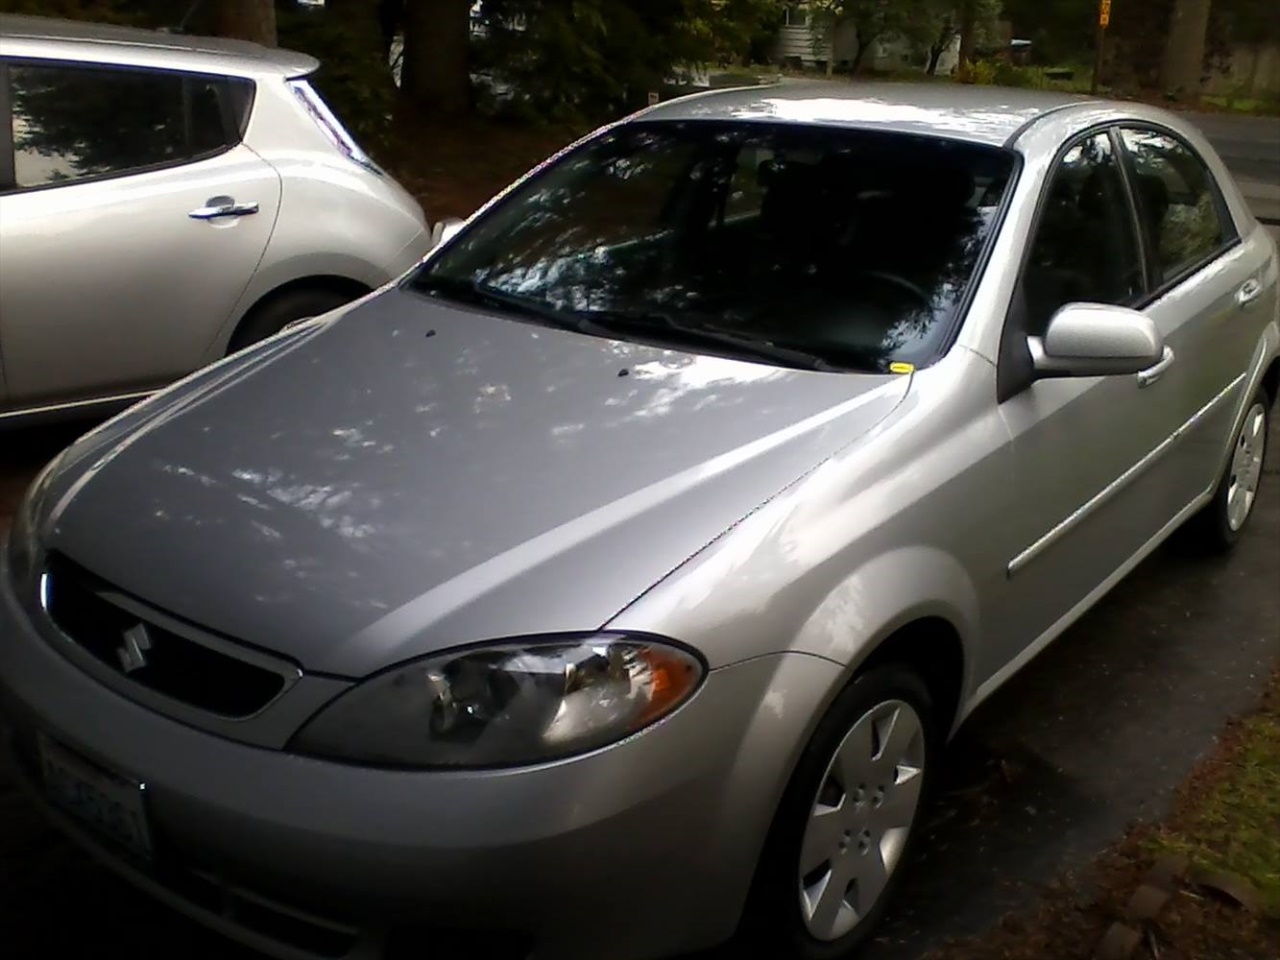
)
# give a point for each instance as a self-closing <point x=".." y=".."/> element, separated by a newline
<point x="133" y="655"/>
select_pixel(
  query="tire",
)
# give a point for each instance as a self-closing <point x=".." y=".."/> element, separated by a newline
<point x="788" y="914"/>
<point x="272" y="315"/>
<point x="1218" y="527"/>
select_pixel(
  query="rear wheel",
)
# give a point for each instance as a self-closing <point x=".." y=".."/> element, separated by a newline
<point x="1218" y="527"/>
<point x="847" y="822"/>
<point x="274" y="314"/>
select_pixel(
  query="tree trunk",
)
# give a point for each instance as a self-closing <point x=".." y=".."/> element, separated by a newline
<point x="968" y="30"/>
<point x="437" y="55"/>
<point x="935" y="54"/>
<point x="1183" y="65"/>
<point x="939" y="46"/>
<point x="390" y="20"/>
<point x="858" y="54"/>
<point x="246" y="20"/>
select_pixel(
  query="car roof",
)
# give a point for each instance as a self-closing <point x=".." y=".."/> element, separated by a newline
<point x="26" y="36"/>
<point x="980" y="114"/>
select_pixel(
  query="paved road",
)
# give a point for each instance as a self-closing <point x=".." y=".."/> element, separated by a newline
<point x="1250" y="146"/>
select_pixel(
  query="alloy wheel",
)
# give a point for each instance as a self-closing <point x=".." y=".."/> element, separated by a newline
<point x="861" y="818"/>
<point x="1246" y="467"/>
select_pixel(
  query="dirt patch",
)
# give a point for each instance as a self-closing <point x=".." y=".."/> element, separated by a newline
<point x="453" y="168"/>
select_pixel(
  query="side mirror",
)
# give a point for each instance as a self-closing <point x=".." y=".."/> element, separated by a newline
<point x="1095" y="340"/>
<point x="445" y="230"/>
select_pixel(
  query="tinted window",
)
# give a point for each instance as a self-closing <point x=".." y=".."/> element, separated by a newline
<point x="852" y="246"/>
<point x="1178" y="200"/>
<point x="72" y="122"/>
<point x="1085" y="248"/>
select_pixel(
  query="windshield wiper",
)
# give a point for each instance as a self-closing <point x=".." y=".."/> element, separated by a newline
<point x="758" y="347"/>
<point x="465" y="290"/>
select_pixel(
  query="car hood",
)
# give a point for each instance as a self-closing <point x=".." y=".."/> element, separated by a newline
<point x="411" y="475"/>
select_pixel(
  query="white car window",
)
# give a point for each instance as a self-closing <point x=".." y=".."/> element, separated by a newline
<point x="72" y="122"/>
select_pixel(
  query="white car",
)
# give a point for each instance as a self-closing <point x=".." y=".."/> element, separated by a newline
<point x="166" y="200"/>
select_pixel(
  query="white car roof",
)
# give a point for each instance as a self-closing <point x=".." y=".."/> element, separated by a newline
<point x="49" y="38"/>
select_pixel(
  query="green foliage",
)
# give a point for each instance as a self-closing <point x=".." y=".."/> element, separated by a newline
<point x="354" y="77"/>
<point x="980" y="72"/>
<point x="593" y="59"/>
<point x="1059" y="30"/>
<point x="929" y="25"/>
<point x="1011" y="75"/>
<point x="142" y="13"/>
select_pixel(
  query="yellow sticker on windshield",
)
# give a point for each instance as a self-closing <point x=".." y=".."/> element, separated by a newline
<point x="899" y="367"/>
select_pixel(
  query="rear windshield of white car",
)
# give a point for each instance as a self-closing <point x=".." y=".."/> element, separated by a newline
<point x="805" y="245"/>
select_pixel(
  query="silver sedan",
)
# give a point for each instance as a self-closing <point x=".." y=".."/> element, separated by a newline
<point x="606" y="587"/>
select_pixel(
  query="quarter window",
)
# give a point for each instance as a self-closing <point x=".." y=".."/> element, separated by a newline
<point x="72" y="122"/>
<point x="1177" y="199"/>
<point x="1085" y="247"/>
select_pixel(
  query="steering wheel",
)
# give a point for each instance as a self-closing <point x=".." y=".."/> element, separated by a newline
<point x="901" y="283"/>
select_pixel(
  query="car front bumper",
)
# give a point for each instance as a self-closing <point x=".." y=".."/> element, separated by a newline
<point x="640" y="850"/>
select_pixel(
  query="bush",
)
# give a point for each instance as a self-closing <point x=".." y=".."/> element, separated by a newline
<point x="981" y="72"/>
<point x="1011" y="75"/>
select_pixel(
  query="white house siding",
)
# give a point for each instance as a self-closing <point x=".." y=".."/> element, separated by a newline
<point x="796" y="41"/>
<point x="810" y="44"/>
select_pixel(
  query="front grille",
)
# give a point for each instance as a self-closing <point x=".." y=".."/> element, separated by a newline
<point x="150" y="655"/>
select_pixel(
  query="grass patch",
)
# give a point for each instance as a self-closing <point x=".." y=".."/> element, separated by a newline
<point x="1252" y="105"/>
<point x="1228" y="816"/>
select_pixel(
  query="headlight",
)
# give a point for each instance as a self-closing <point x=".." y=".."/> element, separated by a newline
<point x="505" y="704"/>
<point x="24" y="534"/>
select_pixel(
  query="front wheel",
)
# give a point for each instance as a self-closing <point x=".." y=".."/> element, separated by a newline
<point x="846" y="824"/>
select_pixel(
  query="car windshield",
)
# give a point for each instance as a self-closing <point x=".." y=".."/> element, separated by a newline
<point x="803" y="245"/>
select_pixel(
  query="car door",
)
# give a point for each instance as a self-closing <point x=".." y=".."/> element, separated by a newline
<point x="1210" y="300"/>
<point x="132" y="221"/>
<point x="1087" y="497"/>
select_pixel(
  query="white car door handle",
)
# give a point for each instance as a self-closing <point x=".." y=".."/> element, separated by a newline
<point x="218" y="207"/>
<point x="1249" y="291"/>
<point x="1150" y="375"/>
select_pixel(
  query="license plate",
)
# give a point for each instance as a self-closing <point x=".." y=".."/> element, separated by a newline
<point x="107" y="803"/>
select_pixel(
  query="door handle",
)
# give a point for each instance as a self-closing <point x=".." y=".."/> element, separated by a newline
<point x="1249" y="291"/>
<point x="1150" y="375"/>
<point x="215" y="208"/>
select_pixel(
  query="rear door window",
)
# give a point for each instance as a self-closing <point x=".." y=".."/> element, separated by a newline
<point x="1181" y="208"/>
<point x="74" y="122"/>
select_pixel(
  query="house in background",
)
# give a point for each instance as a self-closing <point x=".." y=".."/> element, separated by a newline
<point x="804" y="40"/>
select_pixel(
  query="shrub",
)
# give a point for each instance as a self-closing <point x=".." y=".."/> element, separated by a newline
<point x="981" y="72"/>
<point x="1011" y="75"/>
